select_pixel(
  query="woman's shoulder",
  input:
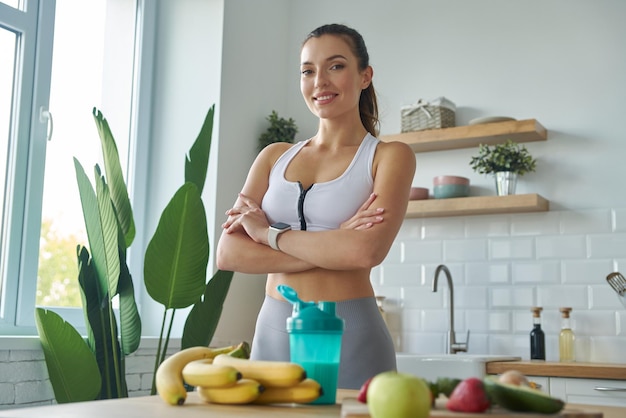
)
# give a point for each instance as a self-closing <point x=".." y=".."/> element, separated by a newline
<point x="395" y="148"/>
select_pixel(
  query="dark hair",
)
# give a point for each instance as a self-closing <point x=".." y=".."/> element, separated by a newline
<point x="368" y="105"/>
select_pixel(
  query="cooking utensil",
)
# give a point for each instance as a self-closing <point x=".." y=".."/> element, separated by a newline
<point x="618" y="283"/>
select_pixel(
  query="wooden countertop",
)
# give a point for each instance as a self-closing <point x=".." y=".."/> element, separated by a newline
<point x="194" y="407"/>
<point x="612" y="371"/>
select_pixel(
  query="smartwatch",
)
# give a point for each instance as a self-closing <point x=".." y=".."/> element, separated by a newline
<point x="274" y="231"/>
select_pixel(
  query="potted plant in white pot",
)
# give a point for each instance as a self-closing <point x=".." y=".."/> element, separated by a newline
<point x="506" y="162"/>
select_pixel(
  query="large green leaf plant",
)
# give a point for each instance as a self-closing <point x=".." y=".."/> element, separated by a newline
<point x="175" y="268"/>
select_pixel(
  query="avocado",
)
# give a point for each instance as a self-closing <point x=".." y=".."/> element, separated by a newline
<point x="521" y="398"/>
<point x="447" y="384"/>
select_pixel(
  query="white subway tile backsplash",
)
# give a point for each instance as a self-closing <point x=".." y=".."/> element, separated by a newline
<point x="425" y="251"/>
<point x="587" y="221"/>
<point x="411" y="229"/>
<point x="487" y="272"/>
<point x="586" y="271"/>
<point x="444" y="228"/>
<point x="620" y="319"/>
<point x="470" y="297"/>
<point x="396" y="252"/>
<point x="487" y="226"/>
<point x="603" y="296"/>
<point x="508" y="345"/>
<point x="607" y="350"/>
<point x="499" y="321"/>
<point x="607" y="245"/>
<point x="546" y="272"/>
<point x="512" y="297"/>
<point x="619" y="220"/>
<point x="531" y="224"/>
<point x="502" y="265"/>
<point x="423" y="297"/>
<point x="400" y="274"/>
<point x="557" y="296"/>
<point x="594" y="323"/>
<point x="513" y="248"/>
<point x="465" y="250"/>
<point x="423" y="343"/>
<point x="477" y="320"/>
<point x="561" y="247"/>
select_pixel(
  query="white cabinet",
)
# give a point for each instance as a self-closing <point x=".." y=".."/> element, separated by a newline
<point x="584" y="391"/>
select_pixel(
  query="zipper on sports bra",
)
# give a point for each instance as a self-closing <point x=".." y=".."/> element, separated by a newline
<point x="301" y="206"/>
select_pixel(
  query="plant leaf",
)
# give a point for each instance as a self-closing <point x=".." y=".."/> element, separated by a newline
<point x="110" y="233"/>
<point x="176" y="258"/>
<point x="99" y="322"/>
<point x="205" y="314"/>
<point x="62" y="346"/>
<point x="115" y="178"/>
<point x="196" y="164"/>
<point x="130" y="322"/>
<point x="93" y="225"/>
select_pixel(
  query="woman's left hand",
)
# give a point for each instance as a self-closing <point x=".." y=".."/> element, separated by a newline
<point x="365" y="217"/>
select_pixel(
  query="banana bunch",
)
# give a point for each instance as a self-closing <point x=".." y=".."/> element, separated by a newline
<point x="278" y="382"/>
<point x="169" y="376"/>
<point x="226" y="376"/>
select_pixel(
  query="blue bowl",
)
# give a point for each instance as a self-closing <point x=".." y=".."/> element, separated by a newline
<point x="445" y="191"/>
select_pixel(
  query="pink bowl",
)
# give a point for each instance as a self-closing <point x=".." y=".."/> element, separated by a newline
<point x="439" y="180"/>
<point x="418" y="193"/>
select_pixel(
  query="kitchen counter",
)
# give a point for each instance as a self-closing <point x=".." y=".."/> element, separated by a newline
<point x="555" y="369"/>
<point x="194" y="407"/>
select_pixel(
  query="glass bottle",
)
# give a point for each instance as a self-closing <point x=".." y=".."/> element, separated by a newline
<point x="537" y="337"/>
<point x="566" y="337"/>
<point x="379" y="302"/>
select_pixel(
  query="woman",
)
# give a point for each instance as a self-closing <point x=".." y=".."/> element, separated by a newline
<point x="318" y="215"/>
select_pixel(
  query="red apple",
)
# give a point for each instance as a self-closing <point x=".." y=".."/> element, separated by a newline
<point x="363" y="391"/>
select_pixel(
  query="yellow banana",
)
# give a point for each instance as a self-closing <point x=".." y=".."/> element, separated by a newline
<point x="268" y="373"/>
<point x="204" y="373"/>
<point x="304" y="392"/>
<point x="241" y="350"/>
<point x="244" y="391"/>
<point x="169" y="377"/>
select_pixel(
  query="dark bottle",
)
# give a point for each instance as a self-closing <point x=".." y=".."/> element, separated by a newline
<point x="537" y="338"/>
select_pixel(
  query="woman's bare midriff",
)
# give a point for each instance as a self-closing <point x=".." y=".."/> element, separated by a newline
<point x="320" y="284"/>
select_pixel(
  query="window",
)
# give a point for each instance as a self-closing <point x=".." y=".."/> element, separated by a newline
<point x="86" y="54"/>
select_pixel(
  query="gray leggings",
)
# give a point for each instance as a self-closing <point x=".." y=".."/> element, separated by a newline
<point x="366" y="346"/>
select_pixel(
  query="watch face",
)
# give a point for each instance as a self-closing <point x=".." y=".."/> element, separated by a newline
<point x="281" y="225"/>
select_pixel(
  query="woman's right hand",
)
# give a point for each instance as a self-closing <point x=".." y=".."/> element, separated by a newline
<point x="365" y="217"/>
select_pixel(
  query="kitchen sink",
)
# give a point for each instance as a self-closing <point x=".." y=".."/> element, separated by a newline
<point x="460" y="366"/>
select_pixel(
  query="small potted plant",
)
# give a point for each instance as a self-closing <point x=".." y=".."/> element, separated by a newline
<point x="506" y="162"/>
<point x="280" y="130"/>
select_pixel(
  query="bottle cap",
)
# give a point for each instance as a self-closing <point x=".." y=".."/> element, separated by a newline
<point x="536" y="310"/>
<point x="311" y="317"/>
<point x="565" y="312"/>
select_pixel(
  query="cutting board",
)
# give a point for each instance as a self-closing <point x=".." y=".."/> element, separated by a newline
<point x="352" y="408"/>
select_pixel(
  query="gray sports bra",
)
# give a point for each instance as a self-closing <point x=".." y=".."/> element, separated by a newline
<point x="325" y="205"/>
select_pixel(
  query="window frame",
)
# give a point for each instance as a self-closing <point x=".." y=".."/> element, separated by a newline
<point x="32" y="95"/>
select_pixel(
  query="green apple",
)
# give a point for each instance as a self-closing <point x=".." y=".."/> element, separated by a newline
<point x="398" y="395"/>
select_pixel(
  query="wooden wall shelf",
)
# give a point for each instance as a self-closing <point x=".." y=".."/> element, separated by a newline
<point x="471" y="135"/>
<point x="476" y="205"/>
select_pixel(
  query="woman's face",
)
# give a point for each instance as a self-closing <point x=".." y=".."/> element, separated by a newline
<point x="330" y="79"/>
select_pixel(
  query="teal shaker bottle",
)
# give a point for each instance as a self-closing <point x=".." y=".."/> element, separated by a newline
<point x="315" y="341"/>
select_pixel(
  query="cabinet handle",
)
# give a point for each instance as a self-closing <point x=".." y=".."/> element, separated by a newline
<point x="609" y="389"/>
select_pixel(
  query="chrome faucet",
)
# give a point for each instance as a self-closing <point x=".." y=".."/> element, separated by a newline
<point x="453" y="346"/>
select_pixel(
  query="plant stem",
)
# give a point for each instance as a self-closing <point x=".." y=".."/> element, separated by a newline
<point x="157" y="358"/>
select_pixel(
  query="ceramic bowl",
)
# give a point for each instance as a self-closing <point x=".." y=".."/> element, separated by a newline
<point x="450" y="186"/>
<point x="445" y="191"/>
<point x="439" y="180"/>
<point x="418" y="193"/>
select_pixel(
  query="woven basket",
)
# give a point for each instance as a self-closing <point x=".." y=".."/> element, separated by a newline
<point x="423" y="115"/>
